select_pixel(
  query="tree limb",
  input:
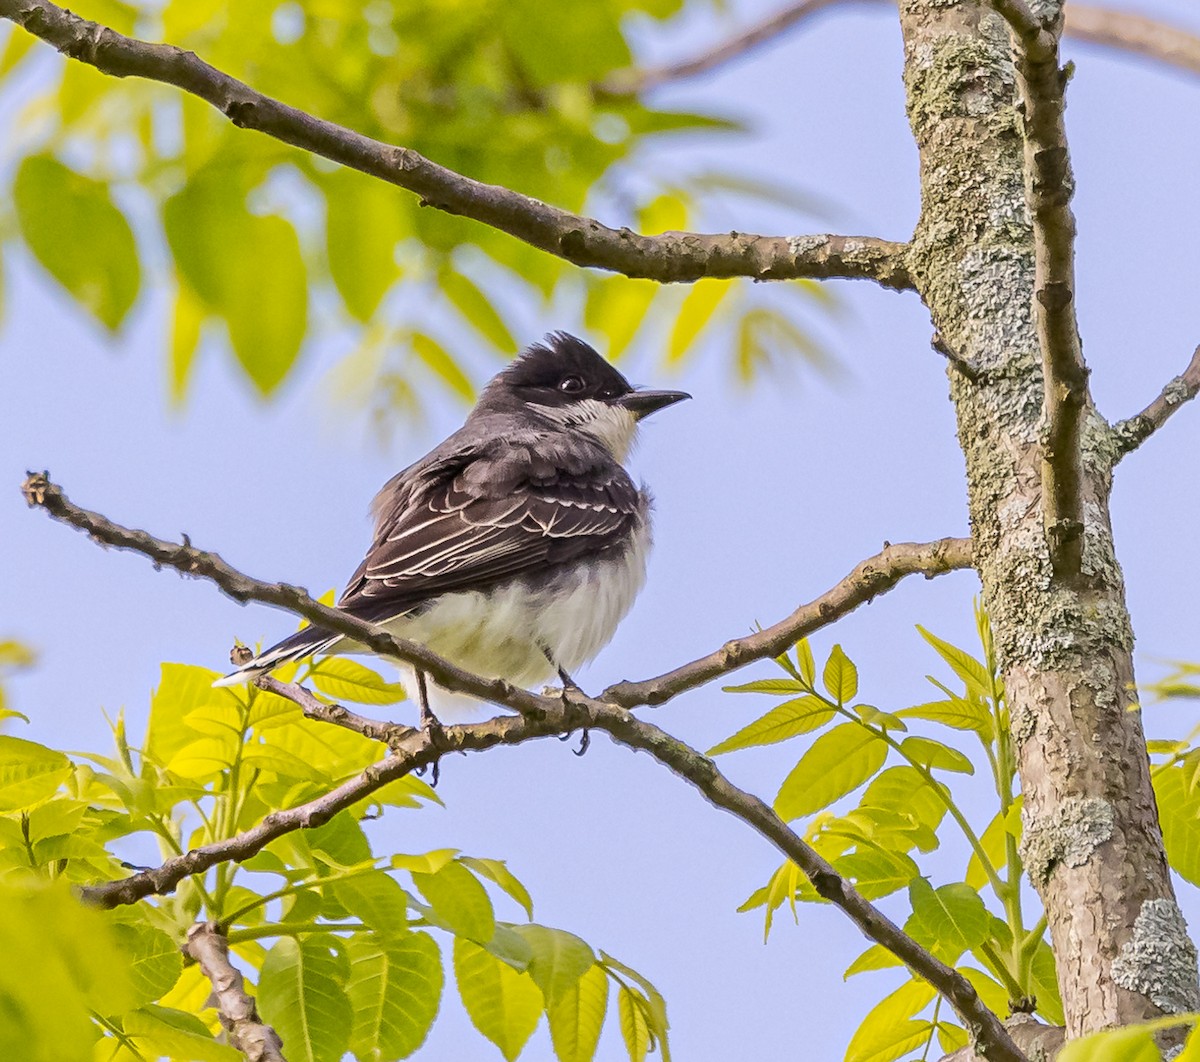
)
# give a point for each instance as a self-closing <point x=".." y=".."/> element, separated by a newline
<point x="1131" y="433"/>
<point x="671" y="256"/>
<point x="874" y="576"/>
<point x="1121" y="30"/>
<point x="235" y="1006"/>
<point x="868" y="580"/>
<point x="1049" y="185"/>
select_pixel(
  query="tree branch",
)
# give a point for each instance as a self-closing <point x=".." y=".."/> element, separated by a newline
<point x="235" y="1006"/>
<point x="1049" y="185"/>
<point x="1121" y="30"/>
<point x="415" y="748"/>
<point x="671" y="256"/>
<point x="1131" y="433"/>
<point x="874" y="576"/>
<point x="868" y="580"/>
<point x="540" y="716"/>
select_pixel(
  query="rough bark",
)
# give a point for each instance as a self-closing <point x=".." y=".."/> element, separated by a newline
<point x="1092" y="842"/>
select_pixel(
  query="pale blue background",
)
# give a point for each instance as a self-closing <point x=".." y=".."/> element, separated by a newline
<point x="765" y="498"/>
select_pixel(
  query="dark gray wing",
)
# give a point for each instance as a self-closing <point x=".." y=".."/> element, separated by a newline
<point x="490" y="514"/>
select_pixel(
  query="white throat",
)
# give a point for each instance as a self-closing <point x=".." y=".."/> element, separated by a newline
<point x="614" y="427"/>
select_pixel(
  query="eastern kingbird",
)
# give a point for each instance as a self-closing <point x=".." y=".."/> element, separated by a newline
<point x="516" y="546"/>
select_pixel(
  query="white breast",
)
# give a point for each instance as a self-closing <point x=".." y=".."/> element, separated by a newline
<point x="506" y="633"/>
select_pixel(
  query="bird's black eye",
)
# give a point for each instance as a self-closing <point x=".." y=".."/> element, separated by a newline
<point x="571" y="385"/>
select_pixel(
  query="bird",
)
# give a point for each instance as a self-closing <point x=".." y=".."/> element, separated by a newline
<point x="515" y="547"/>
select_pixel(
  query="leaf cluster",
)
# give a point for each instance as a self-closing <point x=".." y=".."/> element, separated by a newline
<point x="348" y="948"/>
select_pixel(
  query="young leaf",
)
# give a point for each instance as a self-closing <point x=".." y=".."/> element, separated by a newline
<point x="478" y="310"/>
<point x="1045" y="984"/>
<point x="364" y="220"/>
<point x="502" y="1004"/>
<point x="443" y="365"/>
<point x="634" y="1030"/>
<point x="805" y="662"/>
<point x="697" y="310"/>
<point x="577" y="1016"/>
<point x="876" y="873"/>
<point x="876" y="957"/>
<point x="29" y="773"/>
<point x="974" y="674"/>
<point x="838" y="762"/>
<point x="395" y="988"/>
<point x="840" y="677"/>
<point x="497" y="870"/>
<point x="348" y="680"/>
<point x="776" y="686"/>
<point x="74" y="229"/>
<point x="154" y="959"/>
<point x="165" y="1032"/>
<point x="378" y="900"/>
<point x="904" y="789"/>
<point x="558" y="959"/>
<point x="301" y="992"/>
<point x="798" y="716"/>
<point x="655" y="1010"/>
<point x="888" y="1032"/>
<point x="956" y="712"/>
<point x="933" y="754"/>
<point x="616" y="307"/>
<point x="458" y="898"/>
<point x="1133" y="1043"/>
<point x="1179" y="814"/>
<point x="950" y="919"/>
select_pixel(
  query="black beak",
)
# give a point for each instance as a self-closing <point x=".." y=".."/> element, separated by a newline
<point x="643" y="403"/>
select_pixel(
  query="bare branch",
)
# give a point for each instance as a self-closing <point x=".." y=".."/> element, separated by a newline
<point x="633" y="81"/>
<point x="1131" y="433"/>
<point x="1121" y="30"/>
<point x="1131" y="32"/>
<point x="1049" y="186"/>
<point x="874" y="576"/>
<point x="868" y="580"/>
<point x="235" y="1006"/>
<point x="671" y="256"/>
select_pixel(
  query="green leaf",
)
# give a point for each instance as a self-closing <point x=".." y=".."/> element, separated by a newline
<point x="1133" y="1043"/>
<point x="777" y="686"/>
<point x="460" y="900"/>
<point x="949" y="920"/>
<point x="425" y="862"/>
<point x="496" y="870"/>
<point x="933" y="754"/>
<point x="558" y="959"/>
<point x="17" y="44"/>
<point x="805" y="662"/>
<point x="182" y="688"/>
<point x="261" y="292"/>
<point x="616" y="307"/>
<point x="552" y="49"/>
<point x="905" y="790"/>
<point x="470" y="301"/>
<point x="503" y="1005"/>
<point x="186" y="323"/>
<point x="876" y="872"/>
<point x="873" y="716"/>
<point x="974" y="674"/>
<point x="1179" y="814"/>
<point x="699" y="306"/>
<point x="840" y="677"/>
<point x="838" y="762"/>
<point x="348" y="680"/>
<point x="994" y="841"/>
<point x="302" y="993"/>
<point x="956" y="712"/>
<point x="155" y="960"/>
<point x="73" y="228"/>
<point x="1045" y="984"/>
<point x="634" y="1029"/>
<point x="784" y="721"/>
<point x="183" y="1037"/>
<point x="395" y="989"/>
<point x="993" y="994"/>
<point x="364" y="220"/>
<point x="655" y="1009"/>
<point x="876" y="957"/>
<point x="577" y="1016"/>
<point x="29" y="773"/>
<point x="377" y="899"/>
<point x="443" y="365"/>
<point x="887" y="1032"/>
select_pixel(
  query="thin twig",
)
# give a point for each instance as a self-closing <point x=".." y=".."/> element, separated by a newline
<point x="235" y="1006"/>
<point x="1131" y="433"/>
<point x="669" y="257"/>
<point x="874" y="576"/>
<point x="1121" y="30"/>
<point x="1049" y="186"/>
<point x="868" y="580"/>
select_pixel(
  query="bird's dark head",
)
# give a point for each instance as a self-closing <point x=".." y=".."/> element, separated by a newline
<point x="568" y="383"/>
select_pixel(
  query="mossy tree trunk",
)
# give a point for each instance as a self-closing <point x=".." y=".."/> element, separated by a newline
<point x="1091" y="844"/>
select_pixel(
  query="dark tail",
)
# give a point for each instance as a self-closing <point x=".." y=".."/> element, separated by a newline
<point x="294" y="647"/>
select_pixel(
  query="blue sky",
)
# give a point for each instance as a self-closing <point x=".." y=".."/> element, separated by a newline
<point x="765" y="498"/>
